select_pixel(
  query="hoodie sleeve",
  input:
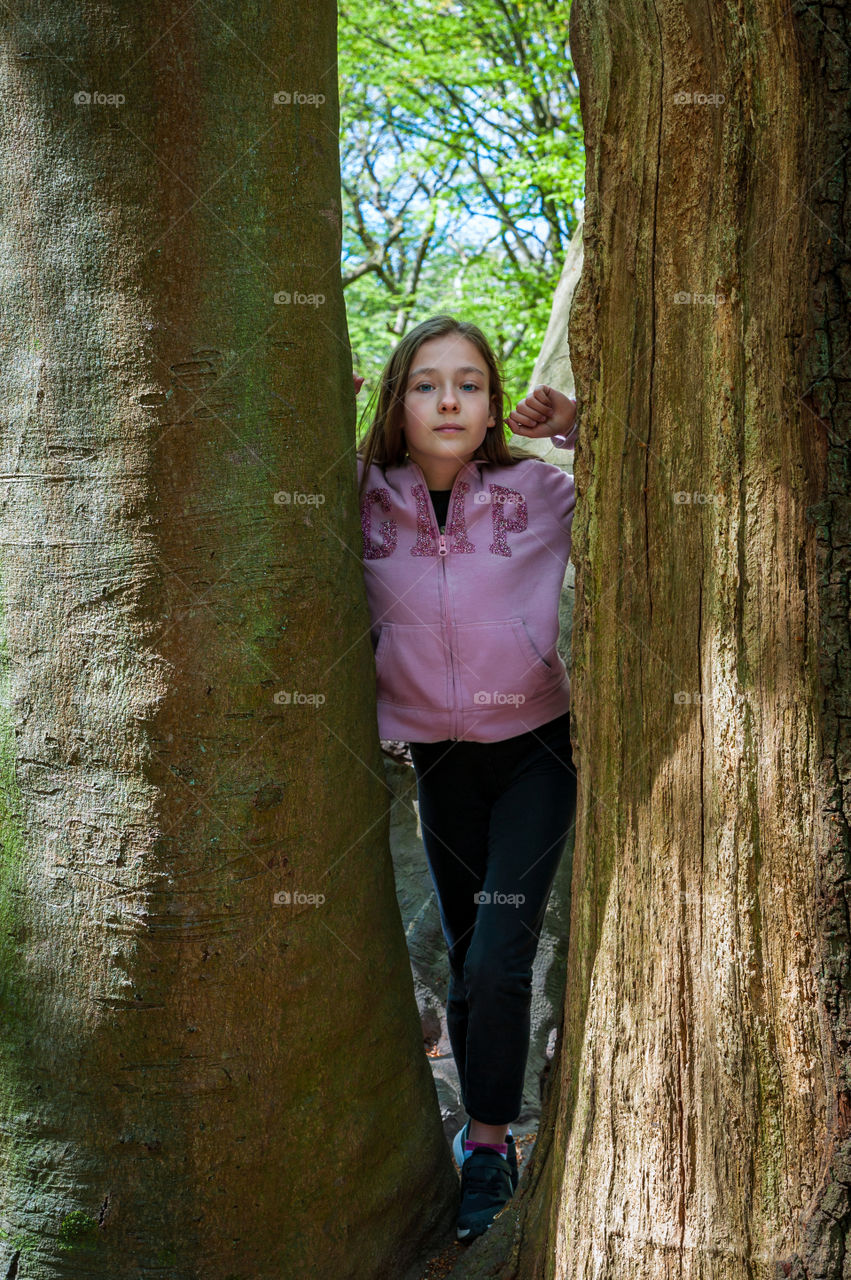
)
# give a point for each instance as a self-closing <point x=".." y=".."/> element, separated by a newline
<point x="568" y="441"/>
<point x="559" y="493"/>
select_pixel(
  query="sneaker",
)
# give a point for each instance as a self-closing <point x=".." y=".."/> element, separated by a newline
<point x="461" y="1155"/>
<point x="485" y="1189"/>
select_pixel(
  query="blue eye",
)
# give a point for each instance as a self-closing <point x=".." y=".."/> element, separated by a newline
<point x="474" y="386"/>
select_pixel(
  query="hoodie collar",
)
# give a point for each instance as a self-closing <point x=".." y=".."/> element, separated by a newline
<point x="468" y="470"/>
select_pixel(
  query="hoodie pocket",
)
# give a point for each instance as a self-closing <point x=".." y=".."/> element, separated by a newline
<point x="499" y="663"/>
<point x="381" y="647"/>
<point x="412" y="665"/>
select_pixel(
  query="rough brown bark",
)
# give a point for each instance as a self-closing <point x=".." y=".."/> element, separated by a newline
<point x="194" y="1080"/>
<point x="821" y="1250"/>
<point x="699" y="1115"/>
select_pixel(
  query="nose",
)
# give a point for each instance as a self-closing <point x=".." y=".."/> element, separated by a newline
<point x="448" y="399"/>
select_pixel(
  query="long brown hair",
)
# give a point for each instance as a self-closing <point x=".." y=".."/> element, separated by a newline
<point x="384" y="441"/>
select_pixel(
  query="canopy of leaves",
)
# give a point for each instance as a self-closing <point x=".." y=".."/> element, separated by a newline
<point x="462" y="165"/>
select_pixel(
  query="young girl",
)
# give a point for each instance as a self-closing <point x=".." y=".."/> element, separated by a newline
<point x="465" y="546"/>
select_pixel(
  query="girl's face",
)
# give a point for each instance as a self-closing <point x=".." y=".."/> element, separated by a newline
<point x="447" y="403"/>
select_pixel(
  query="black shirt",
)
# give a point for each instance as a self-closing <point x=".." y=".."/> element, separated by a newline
<point x="440" y="501"/>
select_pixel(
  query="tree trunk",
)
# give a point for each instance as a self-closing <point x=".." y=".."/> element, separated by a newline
<point x="553" y="363"/>
<point x="698" y="1121"/>
<point x="196" y="1079"/>
<point x="552" y="366"/>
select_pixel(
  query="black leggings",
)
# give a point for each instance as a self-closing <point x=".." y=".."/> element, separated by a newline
<point x="495" y="818"/>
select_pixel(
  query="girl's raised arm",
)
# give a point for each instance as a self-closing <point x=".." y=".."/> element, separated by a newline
<point x="544" y="413"/>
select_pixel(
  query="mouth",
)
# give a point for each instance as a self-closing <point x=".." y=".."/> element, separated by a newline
<point x="450" y="428"/>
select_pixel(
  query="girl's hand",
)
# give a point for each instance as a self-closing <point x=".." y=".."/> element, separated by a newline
<point x="358" y="382"/>
<point x="543" y="413"/>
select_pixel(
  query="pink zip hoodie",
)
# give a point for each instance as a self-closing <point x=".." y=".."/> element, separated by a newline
<point x="465" y="624"/>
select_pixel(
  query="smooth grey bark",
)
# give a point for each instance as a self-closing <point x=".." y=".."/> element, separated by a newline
<point x="200" y="949"/>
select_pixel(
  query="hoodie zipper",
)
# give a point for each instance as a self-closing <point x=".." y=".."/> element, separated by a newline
<point x="443" y="551"/>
